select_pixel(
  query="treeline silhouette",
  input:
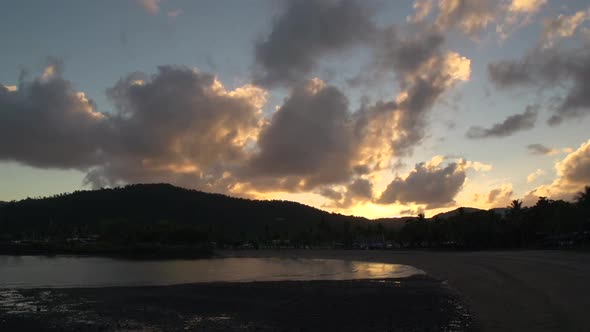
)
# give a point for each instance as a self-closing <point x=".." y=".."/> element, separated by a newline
<point x="548" y="223"/>
<point x="147" y="216"/>
<point x="164" y="214"/>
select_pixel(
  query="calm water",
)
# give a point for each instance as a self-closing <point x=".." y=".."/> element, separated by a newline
<point x="64" y="271"/>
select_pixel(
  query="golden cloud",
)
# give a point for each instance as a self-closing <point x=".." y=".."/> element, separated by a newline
<point x="573" y="173"/>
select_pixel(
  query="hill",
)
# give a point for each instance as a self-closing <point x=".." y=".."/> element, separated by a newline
<point x="157" y="217"/>
<point x="394" y="223"/>
<point x="456" y="212"/>
<point x="135" y="208"/>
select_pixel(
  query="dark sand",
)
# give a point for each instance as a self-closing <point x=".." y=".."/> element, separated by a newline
<point x="506" y="290"/>
<point x="411" y="304"/>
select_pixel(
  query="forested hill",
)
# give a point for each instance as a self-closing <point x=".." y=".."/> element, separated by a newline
<point x="162" y="214"/>
<point x="157" y="203"/>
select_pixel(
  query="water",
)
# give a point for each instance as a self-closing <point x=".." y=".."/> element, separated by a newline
<point x="67" y="271"/>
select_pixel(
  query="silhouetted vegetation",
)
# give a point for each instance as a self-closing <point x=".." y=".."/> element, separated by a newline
<point x="164" y="215"/>
<point x="166" y="220"/>
<point x="549" y="224"/>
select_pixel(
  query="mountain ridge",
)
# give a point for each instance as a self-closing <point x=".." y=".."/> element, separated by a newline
<point x="169" y="188"/>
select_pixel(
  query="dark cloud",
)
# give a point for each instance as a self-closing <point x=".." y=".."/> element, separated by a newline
<point x="400" y="52"/>
<point x="357" y="191"/>
<point x="508" y="73"/>
<point x="424" y="88"/>
<point x="178" y="123"/>
<point x="361" y="188"/>
<point x="330" y="193"/>
<point x="416" y="57"/>
<point x="550" y="68"/>
<point x="309" y="137"/>
<point x="539" y="149"/>
<point x="306" y="31"/>
<point x="404" y="51"/>
<point x="313" y="140"/>
<point x="183" y="127"/>
<point x="427" y="184"/>
<point x="177" y="126"/>
<point x="509" y="126"/>
<point x="47" y="123"/>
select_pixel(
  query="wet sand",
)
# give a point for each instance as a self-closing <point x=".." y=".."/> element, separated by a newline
<point x="418" y="303"/>
<point x="506" y="290"/>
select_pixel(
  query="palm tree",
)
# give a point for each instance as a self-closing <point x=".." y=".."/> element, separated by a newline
<point x="515" y="207"/>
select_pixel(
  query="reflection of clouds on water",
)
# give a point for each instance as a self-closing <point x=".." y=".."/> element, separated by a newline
<point x="63" y="271"/>
<point x="368" y="270"/>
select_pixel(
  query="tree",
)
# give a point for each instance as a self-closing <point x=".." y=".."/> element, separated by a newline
<point x="516" y="205"/>
<point x="515" y="208"/>
<point x="583" y="198"/>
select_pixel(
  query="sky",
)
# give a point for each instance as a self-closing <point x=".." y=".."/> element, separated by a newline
<point x="373" y="108"/>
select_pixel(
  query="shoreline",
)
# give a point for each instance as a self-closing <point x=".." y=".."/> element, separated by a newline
<point x="350" y="305"/>
<point x="505" y="290"/>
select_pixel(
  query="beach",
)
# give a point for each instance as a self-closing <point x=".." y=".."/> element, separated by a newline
<point x="462" y="291"/>
<point x="505" y="290"/>
<point x="417" y="303"/>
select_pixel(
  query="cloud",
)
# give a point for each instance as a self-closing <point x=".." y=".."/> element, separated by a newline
<point x="358" y="191"/>
<point x="540" y="149"/>
<point x="568" y="69"/>
<point x="471" y="17"/>
<point x="575" y="167"/>
<point x="424" y="87"/>
<point x="517" y="14"/>
<point x="573" y="173"/>
<point x="183" y="126"/>
<point x="412" y="212"/>
<point x="405" y="53"/>
<point x="150" y="6"/>
<point x="422" y="8"/>
<point x="526" y="6"/>
<point x="306" y="31"/>
<point x="474" y="17"/>
<point x="361" y="188"/>
<point x="424" y="72"/>
<point x="308" y="139"/>
<point x="500" y="197"/>
<point x="535" y="175"/>
<point x="178" y="125"/>
<point x="563" y="26"/>
<point x="338" y="143"/>
<point x="428" y="183"/>
<point x="10" y="88"/>
<point x="330" y="193"/>
<point x="509" y="126"/>
<point x="47" y="123"/>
